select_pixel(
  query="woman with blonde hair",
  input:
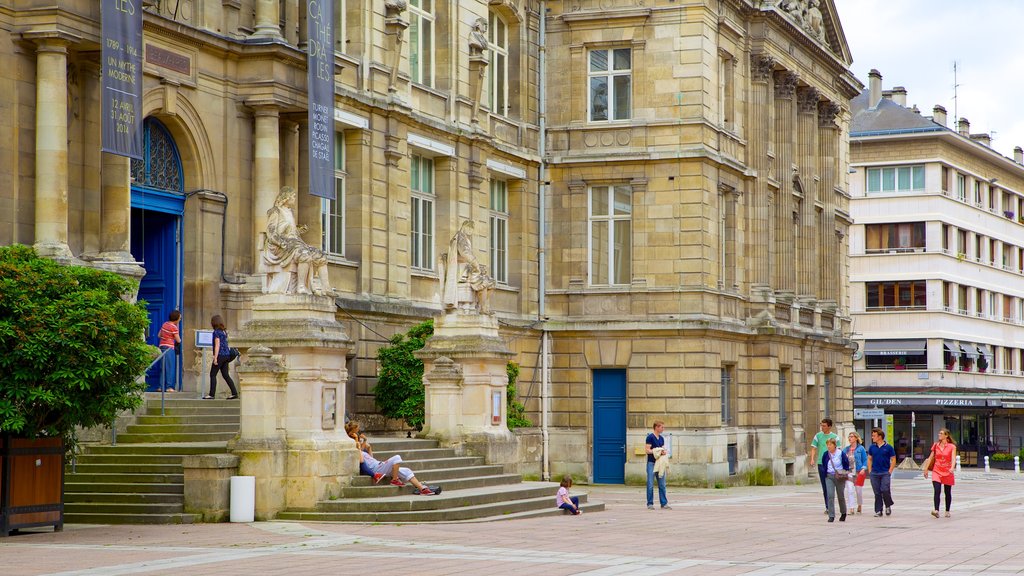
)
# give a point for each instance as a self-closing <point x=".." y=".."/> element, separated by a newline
<point x="940" y="463"/>
<point x="858" y="457"/>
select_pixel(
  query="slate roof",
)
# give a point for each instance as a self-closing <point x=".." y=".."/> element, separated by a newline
<point x="887" y="118"/>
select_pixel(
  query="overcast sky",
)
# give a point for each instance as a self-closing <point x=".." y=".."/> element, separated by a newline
<point x="914" y="43"/>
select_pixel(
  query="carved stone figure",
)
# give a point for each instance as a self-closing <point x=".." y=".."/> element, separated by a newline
<point x="393" y="8"/>
<point x="460" y="266"/>
<point x="815" y="22"/>
<point x="290" y="263"/>
<point x="478" y="37"/>
<point x="796" y="9"/>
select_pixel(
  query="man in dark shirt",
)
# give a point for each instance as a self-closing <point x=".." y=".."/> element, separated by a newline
<point x="655" y="440"/>
<point x="881" y="463"/>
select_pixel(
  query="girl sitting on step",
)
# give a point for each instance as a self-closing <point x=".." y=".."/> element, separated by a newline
<point x="564" y="501"/>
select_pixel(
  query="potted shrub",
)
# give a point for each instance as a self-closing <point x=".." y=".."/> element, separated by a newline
<point x="899" y="363"/>
<point x="950" y="364"/>
<point x="71" y="349"/>
<point x="1001" y="460"/>
<point x="1009" y="214"/>
<point x="982" y="364"/>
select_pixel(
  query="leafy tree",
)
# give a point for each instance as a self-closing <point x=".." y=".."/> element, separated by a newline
<point x="71" y="346"/>
<point x="399" y="390"/>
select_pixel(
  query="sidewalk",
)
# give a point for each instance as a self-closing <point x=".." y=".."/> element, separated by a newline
<point x="762" y="531"/>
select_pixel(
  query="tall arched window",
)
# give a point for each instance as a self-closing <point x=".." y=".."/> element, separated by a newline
<point x="160" y="167"/>
<point x="497" y="71"/>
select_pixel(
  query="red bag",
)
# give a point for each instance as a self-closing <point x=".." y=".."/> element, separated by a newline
<point x="861" y="476"/>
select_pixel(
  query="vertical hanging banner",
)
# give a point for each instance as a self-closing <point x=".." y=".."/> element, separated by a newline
<point x="320" y="79"/>
<point x="122" y="77"/>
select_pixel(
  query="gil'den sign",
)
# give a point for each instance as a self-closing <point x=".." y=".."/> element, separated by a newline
<point x="320" y="81"/>
<point x="122" y="77"/>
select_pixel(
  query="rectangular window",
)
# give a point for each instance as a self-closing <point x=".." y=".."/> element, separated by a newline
<point x="1007" y="308"/>
<point x="945" y="178"/>
<point x="962" y="299"/>
<point x="497" y="69"/>
<point x="499" y="231"/>
<point x="422" y="208"/>
<point x="961" y="242"/>
<point x="421" y="41"/>
<point x="610" y="92"/>
<point x="611" y="209"/>
<point x="911" y="295"/>
<point x="726" y="98"/>
<point x="902" y="237"/>
<point x="332" y="212"/>
<point x="339" y="25"/>
<point x="961" y="187"/>
<point x="728" y="395"/>
<point x="896" y="179"/>
<point x="977" y="193"/>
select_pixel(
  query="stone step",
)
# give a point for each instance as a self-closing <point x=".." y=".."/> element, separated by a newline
<point x="190" y="428"/>
<point x="162" y="449"/>
<point x="418" y="466"/>
<point x="128" y="459"/>
<point x="125" y="498"/>
<point x="189" y="411"/>
<point x="123" y="508"/>
<point x="171" y="437"/>
<point x="92" y="478"/>
<point x="455" y="492"/>
<point x="396" y="444"/>
<point x="185" y="401"/>
<point x="121" y="487"/>
<point x="383" y="453"/>
<point x="116" y="518"/>
<point x="227" y="418"/>
<point x="585" y="505"/>
<point x="125" y="469"/>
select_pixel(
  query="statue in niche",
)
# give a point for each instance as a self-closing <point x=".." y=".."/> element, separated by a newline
<point x="478" y="38"/>
<point x="460" y="266"/>
<point x="292" y="266"/>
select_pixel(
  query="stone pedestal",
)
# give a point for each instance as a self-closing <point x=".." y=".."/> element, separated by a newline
<point x="465" y="383"/>
<point x="292" y="378"/>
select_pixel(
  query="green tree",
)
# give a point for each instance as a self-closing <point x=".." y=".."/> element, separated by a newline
<point x="71" y="346"/>
<point x="399" y="389"/>
<point x="516" y="411"/>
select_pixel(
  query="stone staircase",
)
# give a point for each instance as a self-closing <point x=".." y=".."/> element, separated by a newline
<point x="141" y="480"/>
<point x="472" y="491"/>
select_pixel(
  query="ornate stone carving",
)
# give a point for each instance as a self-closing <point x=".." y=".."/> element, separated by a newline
<point x="478" y="38"/>
<point x="785" y="83"/>
<point x="807" y="100"/>
<point x="827" y="112"/>
<point x="292" y="266"/>
<point x="478" y="45"/>
<point x="761" y="67"/>
<point x="807" y="15"/>
<point x="395" y="8"/>
<point x="459" y="267"/>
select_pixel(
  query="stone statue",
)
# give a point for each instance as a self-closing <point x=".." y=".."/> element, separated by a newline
<point x="815" y="22"/>
<point x="394" y="8"/>
<point x="290" y="263"/>
<point x="460" y="266"/>
<point x="795" y="9"/>
<point x="478" y="37"/>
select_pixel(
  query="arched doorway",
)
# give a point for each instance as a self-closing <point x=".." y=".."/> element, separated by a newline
<point x="158" y="203"/>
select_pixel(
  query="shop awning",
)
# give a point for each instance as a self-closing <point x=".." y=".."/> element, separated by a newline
<point x="895" y="347"/>
<point x="969" y="351"/>
<point x="915" y="401"/>
<point x="949" y="347"/>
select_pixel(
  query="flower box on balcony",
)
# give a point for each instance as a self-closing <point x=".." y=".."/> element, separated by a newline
<point x="1008" y="214"/>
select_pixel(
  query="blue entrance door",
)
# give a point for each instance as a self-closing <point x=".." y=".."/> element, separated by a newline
<point x="610" y="426"/>
<point x="155" y="244"/>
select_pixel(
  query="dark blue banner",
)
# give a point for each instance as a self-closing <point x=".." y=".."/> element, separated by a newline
<point x="320" y="79"/>
<point x="122" y="77"/>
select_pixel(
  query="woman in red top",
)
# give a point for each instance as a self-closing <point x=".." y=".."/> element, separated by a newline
<point x="942" y="458"/>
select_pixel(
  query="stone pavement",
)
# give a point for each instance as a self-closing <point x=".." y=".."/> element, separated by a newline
<point x="761" y="531"/>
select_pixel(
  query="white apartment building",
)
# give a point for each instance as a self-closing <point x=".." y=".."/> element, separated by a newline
<point x="936" y="278"/>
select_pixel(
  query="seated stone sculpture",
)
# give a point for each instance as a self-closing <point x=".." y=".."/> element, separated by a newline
<point x="291" y="265"/>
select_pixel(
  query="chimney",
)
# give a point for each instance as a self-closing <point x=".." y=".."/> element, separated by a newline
<point x="939" y="115"/>
<point x="875" y="85"/>
<point x="983" y="139"/>
<point x="915" y="110"/>
<point x="1018" y="155"/>
<point x="899" y="96"/>
<point x="964" y="127"/>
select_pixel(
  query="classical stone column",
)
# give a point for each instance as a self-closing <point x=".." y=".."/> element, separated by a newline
<point x="785" y="136"/>
<point x="807" y="159"/>
<point x="828" y="154"/>
<point x="51" y="210"/>
<point x="268" y="19"/>
<point x="761" y="68"/>
<point x="266" y="173"/>
<point x="115" y="214"/>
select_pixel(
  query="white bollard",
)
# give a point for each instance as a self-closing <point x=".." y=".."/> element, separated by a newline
<point x="957" y="463"/>
<point x="1016" y="464"/>
<point x="243" y="498"/>
<point x="986" y="464"/>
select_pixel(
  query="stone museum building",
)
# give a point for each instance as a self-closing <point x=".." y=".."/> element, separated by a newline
<point x="659" y="190"/>
<point x="936" y="263"/>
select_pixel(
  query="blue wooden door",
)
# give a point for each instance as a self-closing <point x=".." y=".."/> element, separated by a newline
<point x="155" y="244"/>
<point x="610" y="426"/>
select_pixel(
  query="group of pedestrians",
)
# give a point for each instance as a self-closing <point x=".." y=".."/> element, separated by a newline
<point x="843" y="472"/>
<point x="170" y="338"/>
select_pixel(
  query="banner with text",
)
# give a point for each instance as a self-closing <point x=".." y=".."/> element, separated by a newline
<point x="320" y="78"/>
<point x="122" y="77"/>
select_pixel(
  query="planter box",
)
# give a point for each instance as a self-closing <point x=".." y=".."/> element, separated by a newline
<point x="1001" y="465"/>
<point x="31" y="483"/>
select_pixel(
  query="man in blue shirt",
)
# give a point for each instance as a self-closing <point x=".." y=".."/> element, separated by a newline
<point x="655" y="440"/>
<point x="881" y="463"/>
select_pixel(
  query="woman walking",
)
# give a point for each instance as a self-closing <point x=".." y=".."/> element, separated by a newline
<point x="221" y="359"/>
<point x="940" y="462"/>
<point x="858" y="457"/>
<point x="837" y="471"/>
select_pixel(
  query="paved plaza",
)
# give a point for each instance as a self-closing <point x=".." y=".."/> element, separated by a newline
<point x="762" y="531"/>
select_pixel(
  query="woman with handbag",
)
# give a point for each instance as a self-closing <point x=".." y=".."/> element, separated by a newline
<point x="940" y="464"/>
<point x="858" y="457"/>
<point x="837" y="471"/>
<point x="221" y="359"/>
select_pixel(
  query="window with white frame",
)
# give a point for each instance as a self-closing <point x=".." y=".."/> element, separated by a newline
<point x="611" y="209"/>
<point x="332" y="212"/>
<point x="727" y="394"/>
<point x="339" y="25"/>
<point x="961" y="187"/>
<point x="497" y="70"/>
<point x="421" y="41"/>
<point x="422" y="228"/>
<point x="896" y="179"/>
<point x="610" y="92"/>
<point x="499" y="230"/>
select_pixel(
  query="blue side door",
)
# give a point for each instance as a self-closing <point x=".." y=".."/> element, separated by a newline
<point x="610" y="426"/>
<point x="154" y="242"/>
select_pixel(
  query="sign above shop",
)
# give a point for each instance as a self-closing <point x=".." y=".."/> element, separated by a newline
<point x="868" y="413"/>
<point x="928" y="401"/>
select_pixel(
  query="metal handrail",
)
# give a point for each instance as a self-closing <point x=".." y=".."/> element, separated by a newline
<point x="141" y="378"/>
